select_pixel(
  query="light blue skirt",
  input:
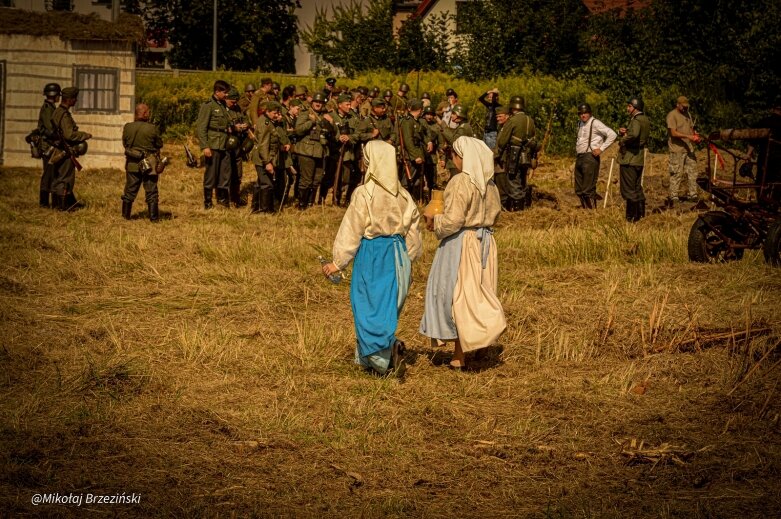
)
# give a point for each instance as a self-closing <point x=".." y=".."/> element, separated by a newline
<point x="378" y="288"/>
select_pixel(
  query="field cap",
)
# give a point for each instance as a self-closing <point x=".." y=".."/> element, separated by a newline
<point x="273" y="106"/>
<point x="344" y="98"/>
<point x="683" y="101"/>
<point x="70" y="92"/>
<point x="416" y="104"/>
<point x="378" y="101"/>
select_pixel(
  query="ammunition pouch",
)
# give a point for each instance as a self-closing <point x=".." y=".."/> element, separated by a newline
<point x="35" y="141"/>
<point x="57" y="155"/>
<point x="134" y="154"/>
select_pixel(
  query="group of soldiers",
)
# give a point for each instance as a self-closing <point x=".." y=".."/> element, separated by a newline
<point x="311" y="143"/>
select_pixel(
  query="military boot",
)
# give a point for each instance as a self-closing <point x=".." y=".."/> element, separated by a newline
<point x="207" y="198"/>
<point x="127" y="208"/>
<point x="303" y="198"/>
<point x="255" y="208"/>
<point x="236" y="199"/>
<point x="154" y="215"/>
<point x="586" y="201"/>
<point x="223" y="197"/>
<point x="582" y="201"/>
<point x="267" y="201"/>
<point x="630" y="211"/>
<point x="639" y="210"/>
<point x="72" y="203"/>
<point x="594" y="202"/>
<point x="43" y="199"/>
<point x="61" y="202"/>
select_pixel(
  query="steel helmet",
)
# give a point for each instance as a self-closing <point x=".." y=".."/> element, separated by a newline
<point x="52" y="90"/>
<point x="80" y="148"/>
<point x="404" y="87"/>
<point x="459" y="111"/>
<point x="318" y="98"/>
<point x="232" y="143"/>
<point x="387" y="93"/>
<point x="584" y="108"/>
<point x="250" y="88"/>
<point x="637" y="103"/>
<point x="517" y="103"/>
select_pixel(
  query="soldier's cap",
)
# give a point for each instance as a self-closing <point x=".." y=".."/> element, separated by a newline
<point x="451" y="92"/>
<point x="250" y="88"/>
<point x="330" y="81"/>
<point x="429" y="110"/>
<point x="415" y="104"/>
<point x="302" y="90"/>
<point x="459" y="111"/>
<point x="273" y="106"/>
<point x="318" y="98"/>
<point x="295" y="102"/>
<point x="266" y="81"/>
<point x="344" y="98"/>
<point x="426" y="95"/>
<point x="378" y="101"/>
<point x="70" y="92"/>
<point x="233" y="94"/>
<point x="404" y="87"/>
<point x="683" y="101"/>
<point x="502" y="110"/>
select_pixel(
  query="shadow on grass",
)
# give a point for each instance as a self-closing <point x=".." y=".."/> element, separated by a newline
<point x="476" y="362"/>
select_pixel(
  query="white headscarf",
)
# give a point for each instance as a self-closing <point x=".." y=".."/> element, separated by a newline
<point x="381" y="169"/>
<point x="478" y="161"/>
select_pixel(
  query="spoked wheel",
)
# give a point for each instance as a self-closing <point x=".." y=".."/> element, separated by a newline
<point x="706" y="246"/>
<point x="772" y="245"/>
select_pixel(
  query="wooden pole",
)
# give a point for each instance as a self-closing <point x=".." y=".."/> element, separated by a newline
<point x="609" y="180"/>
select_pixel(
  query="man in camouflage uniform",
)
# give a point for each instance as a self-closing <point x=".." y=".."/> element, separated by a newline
<point x="631" y="158"/>
<point x="246" y="99"/>
<point x="434" y="136"/>
<point x="46" y="135"/>
<point x="212" y="129"/>
<point x="682" y="162"/>
<point x="459" y="126"/>
<point x="66" y="130"/>
<point x="312" y="149"/>
<point x="141" y="139"/>
<point x="342" y="170"/>
<point x="416" y="145"/>
<point x="516" y="145"/>
<point x="235" y="145"/>
<point x="268" y="159"/>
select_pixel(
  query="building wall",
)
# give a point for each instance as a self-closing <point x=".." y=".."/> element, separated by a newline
<point x="31" y="62"/>
<point x="102" y="9"/>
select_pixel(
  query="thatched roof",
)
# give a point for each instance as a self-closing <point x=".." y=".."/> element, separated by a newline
<point x="71" y="26"/>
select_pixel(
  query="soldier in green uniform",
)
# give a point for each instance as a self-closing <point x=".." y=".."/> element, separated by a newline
<point x="366" y="106"/>
<point x="341" y="170"/>
<point x="267" y="157"/>
<point x="288" y="123"/>
<point x="141" y="139"/>
<point x="378" y="125"/>
<point x="235" y="145"/>
<point x="500" y="175"/>
<point x="263" y="95"/>
<point x="459" y="125"/>
<point x="66" y="130"/>
<point x="631" y="158"/>
<point x="435" y="138"/>
<point x="246" y="99"/>
<point x="398" y="103"/>
<point x="45" y="129"/>
<point x="416" y="145"/>
<point x="516" y="145"/>
<point x="212" y="129"/>
<point x="312" y="148"/>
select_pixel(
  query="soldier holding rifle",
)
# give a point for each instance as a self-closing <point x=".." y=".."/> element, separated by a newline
<point x="71" y="142"/>
<point x="413" y="147"/>
<point x="515" y="144"/>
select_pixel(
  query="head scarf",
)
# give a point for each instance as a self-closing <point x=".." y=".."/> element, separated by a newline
<point x="381" y="169"/>
<point x="478" y="161"/>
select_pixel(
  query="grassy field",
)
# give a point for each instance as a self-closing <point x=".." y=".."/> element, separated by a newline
<point x="205" y="364"/>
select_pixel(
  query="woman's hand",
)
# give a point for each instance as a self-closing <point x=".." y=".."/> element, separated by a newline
<point x="429" y="221"/>
<point x="330" y="269"/>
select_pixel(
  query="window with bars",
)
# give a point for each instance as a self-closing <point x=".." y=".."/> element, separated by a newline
<point x="98" y="89"/>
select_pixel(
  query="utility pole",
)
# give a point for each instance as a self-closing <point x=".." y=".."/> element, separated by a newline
<point x="214" y="38"/>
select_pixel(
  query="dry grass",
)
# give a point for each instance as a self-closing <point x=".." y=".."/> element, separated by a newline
<point x="205" y="364"/>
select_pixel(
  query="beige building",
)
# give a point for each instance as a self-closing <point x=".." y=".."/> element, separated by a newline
<point x="70" y="49"/>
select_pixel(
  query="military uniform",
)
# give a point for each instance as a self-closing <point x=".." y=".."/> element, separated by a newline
<point x="312" y="149"/>
<point x="631" y="159"/>
<point x="434" y="136"/>
<point x="255" y="108"/>
<point x="349" y="175"/>
<point x="515" y="140"/>
<point x="212" y="129"/>
<point x="449" y="136"/>
<point x="267" y="151"/>
<point x="245" y="101"/>
<point x="383" y="124"/>
<point x="415" y="139"/>
<point x="64" y="170"/>
<point x="46" y="135"/>
<point x="398" y="107"/>
<point x="140" y="139"/>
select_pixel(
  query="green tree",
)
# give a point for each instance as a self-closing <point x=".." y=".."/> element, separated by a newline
<point x="259" y="34"/>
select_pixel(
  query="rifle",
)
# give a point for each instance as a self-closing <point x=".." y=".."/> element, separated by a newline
<point x="338" y="176"/>
<point x="66" y="147"/>
<point x="191" y="162"/>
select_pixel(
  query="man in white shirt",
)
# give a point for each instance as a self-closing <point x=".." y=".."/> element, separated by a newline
<point x="593" y="139"/>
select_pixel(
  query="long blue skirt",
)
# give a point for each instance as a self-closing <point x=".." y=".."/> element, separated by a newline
<point x="378" y="289"/>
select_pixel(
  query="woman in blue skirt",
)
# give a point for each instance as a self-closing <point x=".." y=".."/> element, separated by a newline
<point x="380" y="234"/>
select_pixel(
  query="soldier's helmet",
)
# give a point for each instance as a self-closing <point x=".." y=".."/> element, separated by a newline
<point x="429" y="110"/>
<point x="459" y="111"/>
<point x="232" y="143"/>
<point x="233" y="94"/>
<point x="80" y="148"/>
<point x="584" y="108"/>
<point x="375" y="91"/>
<point x="404" y="87"/>
<point x="275" y="86"/>
<point x="426" y="95"/>
<point x="318" y="98"/>
<point x="363" y="90"/>
<point x="637" y="103"/>
<point x="387" y="93"/>
<point x="250" y="88"/>
<point x="52" y="90"/>
<point x="450" y="92"/>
